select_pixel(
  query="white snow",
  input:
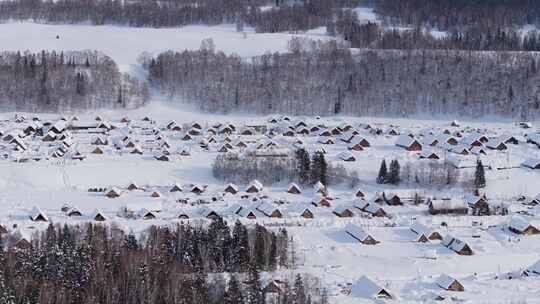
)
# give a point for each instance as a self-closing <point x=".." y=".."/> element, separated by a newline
<point x="125" y="44"/>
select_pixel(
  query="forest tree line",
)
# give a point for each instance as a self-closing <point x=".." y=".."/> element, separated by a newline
<point x="325" y="78"/>
<point x="186" y="264"/>
<point x="452" y="14"/>
<point x="57" y="82"/>
<point x="376" y="36"/>
<point x="263" y="15"/>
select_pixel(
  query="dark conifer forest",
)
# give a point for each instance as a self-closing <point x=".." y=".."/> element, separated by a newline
<point x="184" y="264"/>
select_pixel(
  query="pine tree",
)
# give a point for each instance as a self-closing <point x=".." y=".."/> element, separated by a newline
<point x="259" y="248"/>
<point x="283" y="248"/>
<point x="272" y="254"/>
<point x="324" y="296"/>
<point x="233" y="295"/>
<point x="319" y="169"/>
<point x="382" y="178"/>
<point x="394" y="174"/>
<point x="6" y="293"/>
<point x="299" y="291"/>
<point x="303" y="164"/>
<point x="479" y="175"/>
<point x="254" y="294"/>
<point x="201" y="291"/>
<point x="337" y="105"/>
<point x="240" y="248"/>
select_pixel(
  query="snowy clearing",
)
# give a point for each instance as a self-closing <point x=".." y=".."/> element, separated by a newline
<point x="125" y="44"/>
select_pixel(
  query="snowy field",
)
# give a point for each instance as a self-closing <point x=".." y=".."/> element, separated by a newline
<point x="124" y="44"/>
<point x="399" y="263"/>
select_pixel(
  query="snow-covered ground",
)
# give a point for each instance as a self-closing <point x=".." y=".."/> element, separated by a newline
<point x="366" y="14"/>
<point x="125" y="44"/>
<point x="402" y="265"/>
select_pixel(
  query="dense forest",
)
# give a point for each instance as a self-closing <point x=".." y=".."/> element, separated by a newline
<point x="328" y="78"/>
<point x="375" y="36"/>
<point x="459" y="14"/>
<point x="54" y="82"/>
<point x="186" y="264"/>
<point x="263" y="15"/>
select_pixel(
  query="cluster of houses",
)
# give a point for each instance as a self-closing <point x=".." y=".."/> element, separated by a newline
<point x="24" y="139"/>
<point x="457" y="145"/>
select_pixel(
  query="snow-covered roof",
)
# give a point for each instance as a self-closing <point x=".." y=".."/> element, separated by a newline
<point x="36" y="212"/>
<point x="445" y="281"/>
<point x="367" y="288"/>
<point x="420" y="228"/>
<point x="519" y="223"/>
<point x="360" y="204"/>
<point x="531" y="163"/>
<point x="453" y="243"/>
<point x="357" y="232"/>
<point x="255" y="184"/>
<point x="535" y="267"/>
<point x="405" y="141"/>
<point x="267" y="208"/>
<point x="346" y="155"/>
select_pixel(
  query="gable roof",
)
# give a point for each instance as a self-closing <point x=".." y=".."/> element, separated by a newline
<point x="367" y="288"/>
<point x="36" y="213"/>
<point x="445" y="281"/>
<point x="357" y="232"/>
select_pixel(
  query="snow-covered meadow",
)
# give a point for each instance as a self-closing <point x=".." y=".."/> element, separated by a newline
<point x="124" y="44"/>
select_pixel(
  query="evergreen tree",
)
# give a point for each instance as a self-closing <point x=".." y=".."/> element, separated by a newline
<point x="6" y="293"/>
<point x="337" y="105"/>
<point x="303" y="164"/>
<point x="254" y="294"/>
<point x="130" y="242"/>
<point x="272" y="254"/>
<point x="382" y="178"/>
<point x="394" y="174"/>
<point x="201" y="291"/>
<point x="233" y="295"/>
<point x="324" y="296"/>
<point x="299" y="291"/>
<point x="319" y="169"/>
<point x="479" y="175"/>
<point x="283" y="246"/>
<point x="240" y="248"/>
<point x="259" y="248"/>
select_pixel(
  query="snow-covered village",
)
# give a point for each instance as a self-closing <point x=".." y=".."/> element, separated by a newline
<point x="280" y="152"/>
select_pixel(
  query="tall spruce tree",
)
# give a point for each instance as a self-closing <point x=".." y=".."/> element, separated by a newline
<point x="479" y="175"/>
<point x="233" y="295"/>
<point x="303" y="165"/>
<point x="394" y="174"/>
<point x="254" y="294"/>
<point x="319" y="169"/>
<point x="259" y="248"/>
<point x="299" y="292"/>
<point x="240" y="248"/>
<point x="382" y="177"/>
